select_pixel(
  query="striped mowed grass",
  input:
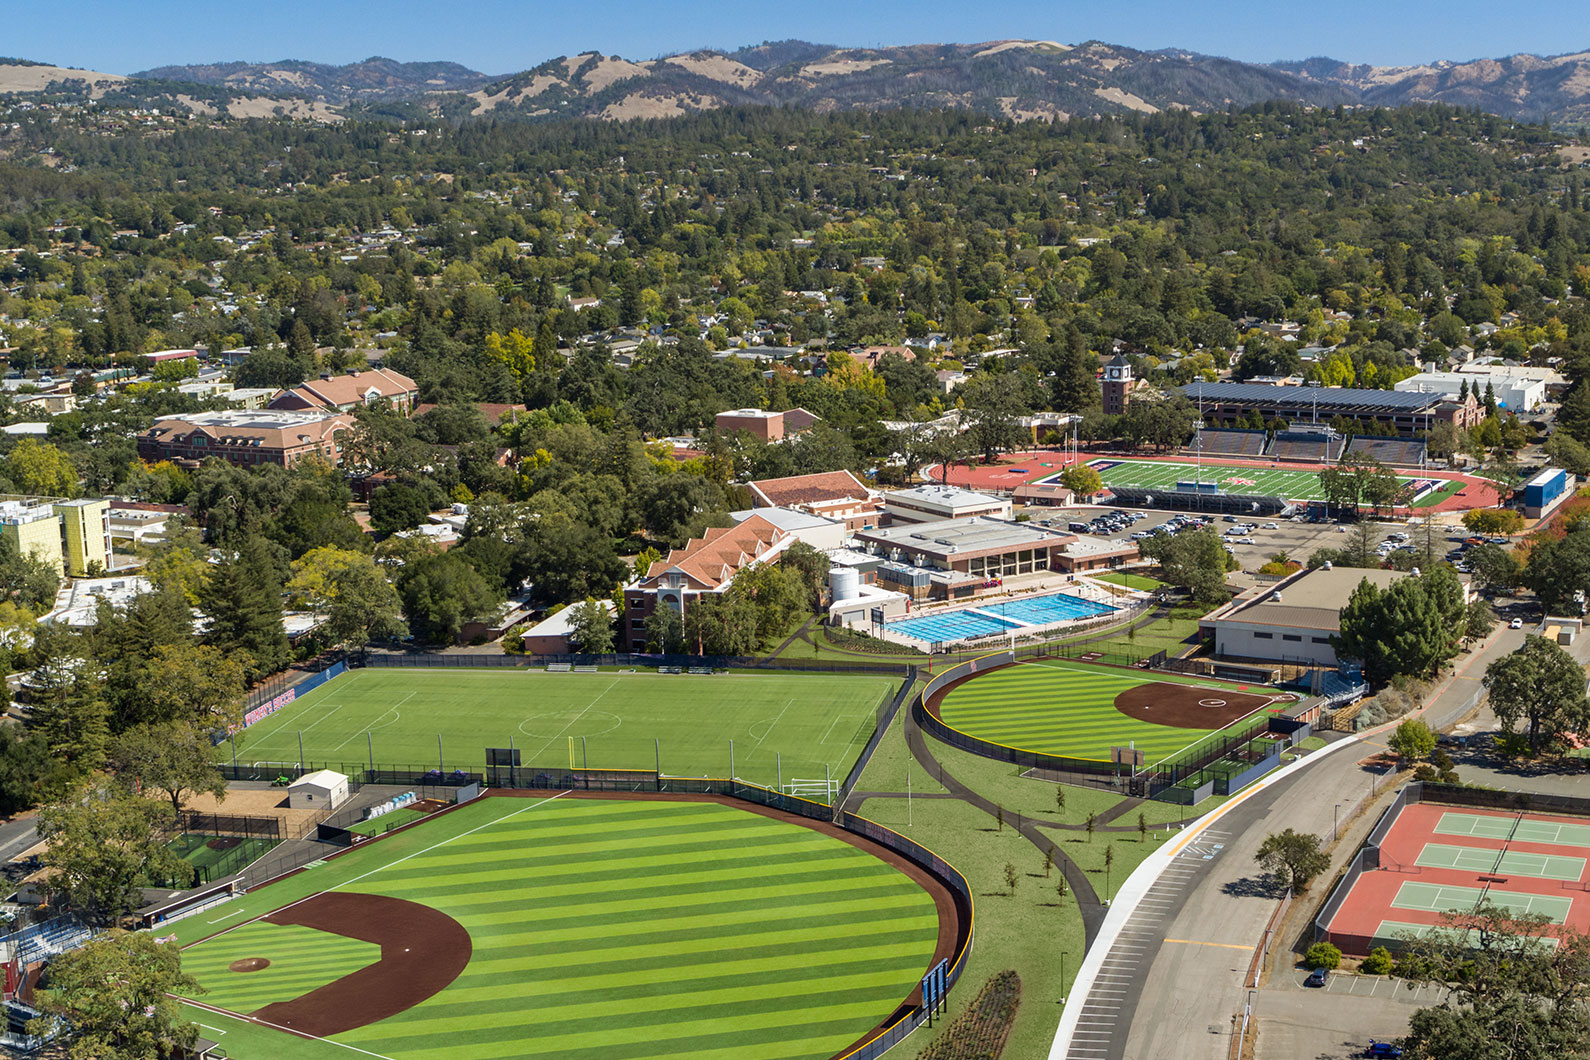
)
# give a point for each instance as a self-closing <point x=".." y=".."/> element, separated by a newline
<point x="1063" y="708"/>
<point x="813" y="724"/>
<point x="604" y="930"/>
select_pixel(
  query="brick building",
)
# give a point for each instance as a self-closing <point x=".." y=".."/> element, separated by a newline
<point x="247" y="437"/>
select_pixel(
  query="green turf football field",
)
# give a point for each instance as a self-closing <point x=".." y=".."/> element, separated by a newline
<point x="1063" y="708"/>
<point x="1292" y="484"/>
<point x="601" y="930"/>
<point x="814" y="721"/>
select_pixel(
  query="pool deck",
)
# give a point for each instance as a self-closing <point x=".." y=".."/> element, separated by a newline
<point x="1117" y="599"/>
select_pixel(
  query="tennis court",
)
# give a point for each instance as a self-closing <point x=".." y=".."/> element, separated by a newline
<point x="1511" y="862"/>
<point x="1446" y="898"/>
<point x="1395" y="933"/>
<point x="1527" y="830"/>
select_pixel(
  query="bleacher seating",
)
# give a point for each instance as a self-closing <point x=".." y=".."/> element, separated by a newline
<point x="1221" y="441"/>
<point x="701" y="670"/>
<point x="1313" y="447"/>
<point x="670" y="669"/>
<point x="585" y="668"/>
<point x="1398" y="452"/>
<point x="558" y="668"/>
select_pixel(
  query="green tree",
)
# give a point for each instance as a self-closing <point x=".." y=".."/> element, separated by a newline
<point x="1542" y="685"/>
<point x="993" y="404"/>
<point x="28" y="772"/>
<point x="1413" y="741"/>
<point x="1293" y="858"/>
<point x="1557" y="570"/>
<point x="27" y="580"/>
<point x="591" y="628"/>
<point x="1322" y="955"/>
<point x="1082" y="480"/>
<point x="398" y="507"/>
<point x="1378" y="962"/>
<point x="175" y="758"/>
<point x="73" y="717"/>
<point x="441" y="594"/>
<point x="243" y="599"/>
<point x="1506" y="990"/>
<point x="1195" y="561"/>
<point x="809" y="568"/>
<point x="1495" y="568"/>
<point x="119" y="993"/>
<point x="665" y="630"/>
<point x="40" y="468"/>
<point x="350" y="593"/>
<point x="1489" y="521"/>
<point x="1413" y="627"/>
<point x="105" y="845"/>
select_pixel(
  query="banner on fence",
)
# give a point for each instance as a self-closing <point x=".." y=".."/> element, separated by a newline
<point x="271" y="706"/>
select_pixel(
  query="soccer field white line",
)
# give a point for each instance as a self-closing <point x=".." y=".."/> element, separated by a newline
<point x="575" y="720"/>
<point x="381" y="868"/>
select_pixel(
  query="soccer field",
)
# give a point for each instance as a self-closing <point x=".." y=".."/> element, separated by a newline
<point x="818" y="723"/>
<point x="1071" y="709"/>
<point x="1291" y="484"/>
<point x="583" y="929"/>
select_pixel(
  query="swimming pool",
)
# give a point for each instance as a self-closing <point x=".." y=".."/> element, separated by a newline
<point x="1008" y="616"/>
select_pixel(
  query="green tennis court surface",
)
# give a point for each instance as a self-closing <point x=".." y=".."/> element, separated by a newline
<point x="1292" y="484"/>
<point x="1444" y="898"/>
<point x="1066" y="709"/>
<point x="396" y="717"/>
<point x="1395" y="933"/>
<point x="600" y="928"/>
<point x="1513" y="862"/>
<point x="1551" y="833"/>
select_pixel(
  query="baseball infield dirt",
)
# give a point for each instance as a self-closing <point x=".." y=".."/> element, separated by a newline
<point x="1187" y="707"/>
<point x="422" y="950"/>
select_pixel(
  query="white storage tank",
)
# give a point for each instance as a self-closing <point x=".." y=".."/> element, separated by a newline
<point x="846" y="583"/>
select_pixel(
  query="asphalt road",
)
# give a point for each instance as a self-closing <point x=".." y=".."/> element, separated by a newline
<point x="17" y="836"/>
<point x="1178" y="977"/>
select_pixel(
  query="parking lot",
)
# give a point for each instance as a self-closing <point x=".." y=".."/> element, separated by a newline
<point x="1298" y="540"/>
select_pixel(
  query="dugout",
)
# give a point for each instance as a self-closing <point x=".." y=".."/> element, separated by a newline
<point x="324" y="789"/>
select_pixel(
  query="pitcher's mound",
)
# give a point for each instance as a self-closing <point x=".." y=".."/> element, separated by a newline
<point x="249" y="964"/>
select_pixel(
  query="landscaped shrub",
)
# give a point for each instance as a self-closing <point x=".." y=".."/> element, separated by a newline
<point x="1323" y="955"/>
<point x="1377" y="963"/>
<point x="979" y="1033"/>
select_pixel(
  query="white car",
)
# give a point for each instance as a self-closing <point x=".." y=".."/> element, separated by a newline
<point x="1272" y="526"/>
<point x="1516" y="623"/>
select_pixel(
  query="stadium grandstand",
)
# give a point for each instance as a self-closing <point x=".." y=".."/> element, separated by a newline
<point x="1220" y="441"/>
<point x="1397" y="452"/>
<point x="1313" y="445"/>
<point x="1209" y="502"/>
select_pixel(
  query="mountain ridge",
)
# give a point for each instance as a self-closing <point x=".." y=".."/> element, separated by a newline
<point x="1012" y="78"/>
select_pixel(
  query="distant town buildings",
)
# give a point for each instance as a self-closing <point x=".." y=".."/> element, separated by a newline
<point x="344" y="393"/>
<point x="768" y="426"/>
<point x="71" y="536"/>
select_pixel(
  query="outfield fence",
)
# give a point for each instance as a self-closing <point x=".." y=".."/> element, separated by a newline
<point x="886" y="714"/>
<point x="1186" y="769"/>
<point x="911" y="1016"/>
<point x="470" y="661"/>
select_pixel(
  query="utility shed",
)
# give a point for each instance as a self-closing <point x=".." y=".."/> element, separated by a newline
<point x="323" y="789"/>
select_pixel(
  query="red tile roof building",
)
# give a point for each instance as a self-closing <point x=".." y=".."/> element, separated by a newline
<point x="343" y="393"/>
<point x="247" y="437"/>
<point x="830" y="494"/>
<point x="706" y="564"/>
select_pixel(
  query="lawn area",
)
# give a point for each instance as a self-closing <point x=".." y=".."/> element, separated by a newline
<point x="599" y="928"/>
<point x="817" y="723"/>
<point x="1033" y="931"/>
<point x="1066" y="708"/>
<point x="1130" y="580"/>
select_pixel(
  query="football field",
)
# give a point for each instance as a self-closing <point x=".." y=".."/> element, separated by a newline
<point x="1290" y="483"/>
<point x="578" y="928"/>
<point x="814" y="724"/>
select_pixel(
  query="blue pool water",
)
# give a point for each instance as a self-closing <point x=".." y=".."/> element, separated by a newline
<point x="985" y="619"/>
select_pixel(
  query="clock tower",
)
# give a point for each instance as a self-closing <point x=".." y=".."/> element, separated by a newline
<point x="1116" y="384"/>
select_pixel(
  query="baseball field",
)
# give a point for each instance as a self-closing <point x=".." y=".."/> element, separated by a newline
<point x="814" y="724"/>
<point x="1081" y="711"/>
<point x="580" y="928"/>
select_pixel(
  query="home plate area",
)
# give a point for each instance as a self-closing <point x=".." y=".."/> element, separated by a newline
<point x="1187" y="706"/>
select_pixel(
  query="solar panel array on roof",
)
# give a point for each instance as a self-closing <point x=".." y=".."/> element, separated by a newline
<point x="1332" y="398"/>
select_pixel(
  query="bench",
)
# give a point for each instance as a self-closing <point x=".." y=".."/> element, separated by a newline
<point x="589" y="668"/>
<point x="558" y="668"/>
<point x="700" y="670"/>
<point x="669" y="670"/>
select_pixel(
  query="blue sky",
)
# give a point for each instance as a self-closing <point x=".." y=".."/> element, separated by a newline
<point x="500" y="36"/>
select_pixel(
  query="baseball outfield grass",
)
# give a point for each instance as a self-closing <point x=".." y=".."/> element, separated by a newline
<point x="601" y="930"/>
<point x="1065" y="708"/>
<point x="816" y="724"/>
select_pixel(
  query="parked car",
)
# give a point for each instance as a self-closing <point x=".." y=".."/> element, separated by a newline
<point x="1516" y="623"/>
<point x="1382" y="1049"/>
<point x="1500" y="541"/>
<point x="1316" y="978"/>
<point x="1272" y="526"/>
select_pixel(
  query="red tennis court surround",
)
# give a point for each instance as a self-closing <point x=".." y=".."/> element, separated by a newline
<point x="1437" y="857"/>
